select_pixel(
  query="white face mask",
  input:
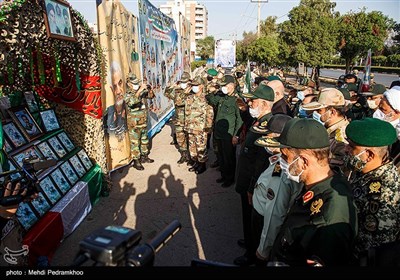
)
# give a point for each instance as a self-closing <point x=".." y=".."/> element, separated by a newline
<point x="286" y="168"/>
<point x="300" y="95"/>
<point x="135" y="87"/>
<point x="378" y="114"/>
<point x="183" y="85"/>
<point x="317" y="116"/>
<point x="255" y="113"/>
<point x="224" y="90"/>
<point x="372" y="104"/>
<point x="195" y="89"/>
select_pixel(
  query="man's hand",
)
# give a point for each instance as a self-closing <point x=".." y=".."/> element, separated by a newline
<point x="8" y="212"/>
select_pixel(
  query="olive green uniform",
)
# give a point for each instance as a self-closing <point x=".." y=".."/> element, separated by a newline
<point x="321" y="225"/>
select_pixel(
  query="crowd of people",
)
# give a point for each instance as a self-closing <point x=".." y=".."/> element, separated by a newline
<point x="317" y="169"/>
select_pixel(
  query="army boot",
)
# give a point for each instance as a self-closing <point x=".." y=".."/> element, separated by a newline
<point x="190" y="162"/>
<point x="194" y="167"/>
<point x="201" y="168"/>
<point x="136" y="164"/>
<point x="184" y="157"/>
<point x="146" y="159"/>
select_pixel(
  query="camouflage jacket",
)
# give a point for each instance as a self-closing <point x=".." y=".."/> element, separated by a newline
<point x="133" y="102"/>
<point x="177" y="95"/>
<point x="377" y="197"/>
<point x="196" y="109"/>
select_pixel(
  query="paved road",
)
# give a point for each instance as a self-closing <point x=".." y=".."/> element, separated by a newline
<point x="149" y="200"/>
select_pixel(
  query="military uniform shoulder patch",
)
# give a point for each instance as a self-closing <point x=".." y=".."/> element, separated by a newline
<point x="277" y="170"/>
<point x="270" y="194"/>
<point x="358" y="105"/>
<point x="308" y="196"/>
<point x="316" y="206"/>
<point x="339" y="135"/>
<point x="375" y="187"/>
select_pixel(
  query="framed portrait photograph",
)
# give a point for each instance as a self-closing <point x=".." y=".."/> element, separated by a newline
<point x="40" y="204"/>
<point x="69" y="172"/>
<point x="26" y="216"/>
<point x="56" y="146"/>
<point x="30" y="152"/>
<point x="61" y="182"/>
<point x="7" y="146"/>
<point x="31" y="101"/>
<point x="24" y="120"/>
<point x="85" y="159"/>
<point x="9" y="167"/>
<point x="49" y="120"/>
<point x="50" y="190"/>
<point x="63" y="137"/>
<point x="78" y="166"/>
<point x="58" y="20"/>
<point x="46" y="151"/>
<point x="14" y="134"/>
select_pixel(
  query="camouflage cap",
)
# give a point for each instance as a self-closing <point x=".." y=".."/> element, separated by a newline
<point x="380" y="133"/>
<point x="327" y="97"/>
<point x="227" y="79"/>
<point x="262" y="92"/>
<point x="133" y="79"/>
<point x="185" y="77"/>
<point x="197" y="81"/>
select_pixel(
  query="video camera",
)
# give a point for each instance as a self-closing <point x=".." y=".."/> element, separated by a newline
<point x="28" y="181"/>
<point x="118" y="246"/>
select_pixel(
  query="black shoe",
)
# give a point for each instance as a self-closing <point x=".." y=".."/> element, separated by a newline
<point x="146" y="159"/>
<point x="214" y="164"/>
<point x="173" y="143"/>
<point x="184" y="158"/>
<point x="227" y="184"/>
<point x="220" y="180"/>
<point x="194" y="166"/>
<point x="241" y="243"/>
<point x="191" y="162"/>
<point x="245" y="260"/>
<point x="136" y="164"/>
<point x="201" y="168"/>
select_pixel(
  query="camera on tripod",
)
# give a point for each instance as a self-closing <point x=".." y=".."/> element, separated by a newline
<point x="28" y="179"/>
<point x="118" y="246"/>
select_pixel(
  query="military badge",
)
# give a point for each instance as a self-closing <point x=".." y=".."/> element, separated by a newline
<point x="371" y="223"/>
<point x="316" y="206"/>
<point x="308" y="196"/>
<point x="339" y="136"/>
<point x="270" y="194"/>
<point x="277" y="170"/>
<point x="264" y="124"/>
<point x="357" y="105"/>
<point x="374" y="187"/>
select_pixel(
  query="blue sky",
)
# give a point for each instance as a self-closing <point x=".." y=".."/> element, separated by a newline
<point x="228" y="18"/>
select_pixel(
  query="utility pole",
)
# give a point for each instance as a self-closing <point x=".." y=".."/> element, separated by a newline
<point x="259" y="15"/>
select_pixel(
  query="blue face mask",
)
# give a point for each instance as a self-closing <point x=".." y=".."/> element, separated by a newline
<point x="300" y="95"/>
<point x="302" y="113"/>
<point x="317" y="116"/>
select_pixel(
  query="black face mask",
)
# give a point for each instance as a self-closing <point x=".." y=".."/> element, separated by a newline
<point x="209" y="78"/>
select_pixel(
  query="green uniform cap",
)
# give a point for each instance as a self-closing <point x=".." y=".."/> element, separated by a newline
<point x="352" y="87"/>
<point x="212" y="72"/>
<point x="274" y="125"/>
<point x="262" y="92"/>
<point x="376" y="90"/>
<point x="303" y="133"/>
<point x="227" y="79"/>
<point x="345" y="92"/>
<point x="371" y="132"/>
<point x="273" y="78"/>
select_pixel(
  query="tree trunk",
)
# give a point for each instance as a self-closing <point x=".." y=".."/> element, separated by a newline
<point x="348" y="60"/>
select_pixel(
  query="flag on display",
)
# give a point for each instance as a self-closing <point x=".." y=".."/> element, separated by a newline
<point x="247" y="86"/>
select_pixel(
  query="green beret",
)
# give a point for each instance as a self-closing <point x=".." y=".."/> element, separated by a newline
<point x="378" y="89"/>
<point x="371" y="132"/>
<point x="303" y="133"/>
<point x="352" y="87"/>
<point x="262" y="92"/>
<point x="212" y="72"/>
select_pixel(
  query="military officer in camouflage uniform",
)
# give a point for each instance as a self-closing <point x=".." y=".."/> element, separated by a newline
<point x="178" y="95"/>
<point x="329" y="110"/>
<point x="321" y="225"/>
<point x="136" y="103"/>
<point x="198" y="121"/>
<point x="376" y="190"/>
